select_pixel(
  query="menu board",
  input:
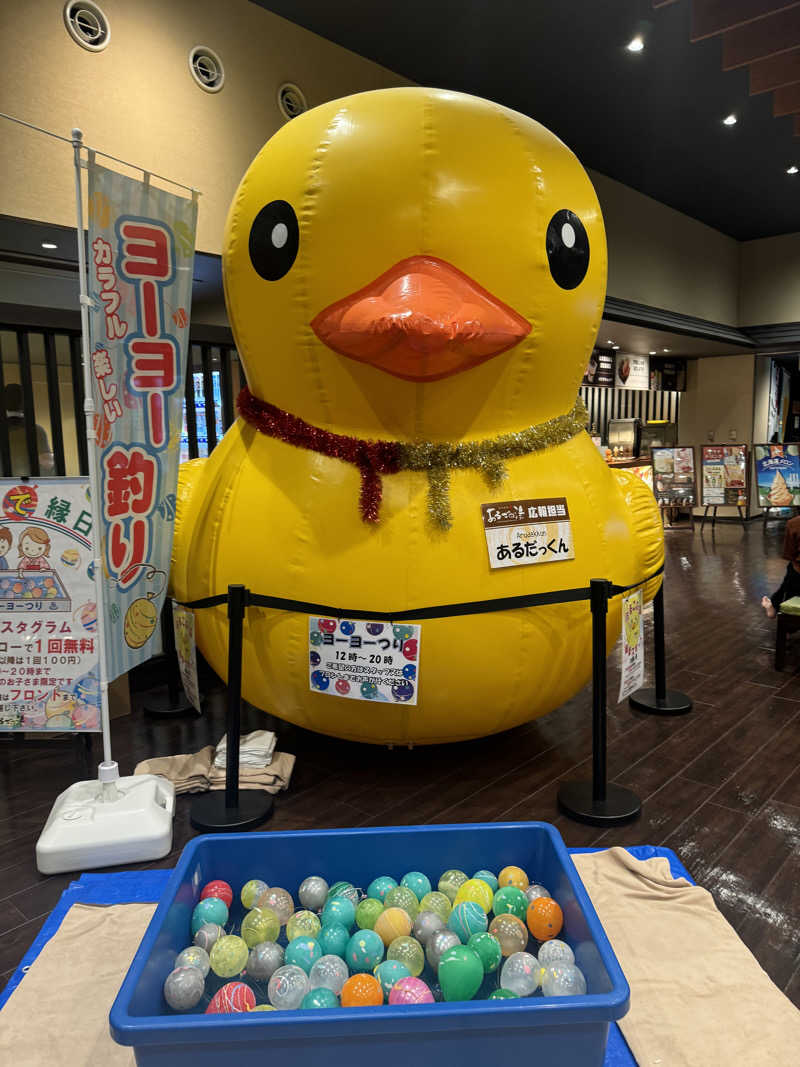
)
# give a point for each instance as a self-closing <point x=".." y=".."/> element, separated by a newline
<point x="724" y="472"/>
<point x="600" y="369"/>
<point x="633" y="372"/>
<point x="778" y="475"/>
<point x="674" y="476"/>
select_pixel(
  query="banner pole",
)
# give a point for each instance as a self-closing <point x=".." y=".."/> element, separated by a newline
<point x="108" y="770"/>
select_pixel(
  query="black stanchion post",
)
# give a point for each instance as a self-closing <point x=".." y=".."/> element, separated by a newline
<point x="598" y="802"/>
<point x="659" y="700"/>
<point x="232" y="810"/>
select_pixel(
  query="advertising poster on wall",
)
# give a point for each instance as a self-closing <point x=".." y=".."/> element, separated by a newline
<point x="600" y="370"/>
<point x="777" y="475"/>
<point x="674" y="476"/>
<point x="724" y="474"/>
<point x="633" y="372"/>
<point x="141" y="250"/>
<point x="49" y="678"/>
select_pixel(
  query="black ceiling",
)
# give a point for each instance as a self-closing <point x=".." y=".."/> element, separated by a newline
<point x="652" y="120"/>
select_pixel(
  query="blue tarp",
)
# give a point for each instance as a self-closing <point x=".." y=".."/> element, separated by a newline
<point x="146" y="887"/>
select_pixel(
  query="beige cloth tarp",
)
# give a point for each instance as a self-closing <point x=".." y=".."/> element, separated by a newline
<point x="698" y="997"/>
<point x="195" y="772"/>
<point x="58" y="1015"/>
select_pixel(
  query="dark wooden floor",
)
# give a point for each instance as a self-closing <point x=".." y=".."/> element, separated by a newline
<point x="720" y="786"/>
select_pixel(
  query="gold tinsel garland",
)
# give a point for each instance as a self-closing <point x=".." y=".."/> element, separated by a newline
<point x="437" y="459"/>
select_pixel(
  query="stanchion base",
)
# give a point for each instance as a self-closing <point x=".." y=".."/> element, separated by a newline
<point x="157" y="702"/>
<point x="672" y="703"/>
<point x="210" y="814"/>
<point x="620" y="806"/>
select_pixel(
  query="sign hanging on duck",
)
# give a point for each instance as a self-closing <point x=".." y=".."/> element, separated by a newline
<point x="364" y="660"/>
<point x="519" y="532"/>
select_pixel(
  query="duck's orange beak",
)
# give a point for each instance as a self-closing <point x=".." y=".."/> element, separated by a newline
<point x="421" y="320"/>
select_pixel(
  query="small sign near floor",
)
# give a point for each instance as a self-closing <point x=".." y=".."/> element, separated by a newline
<point x="186" y="650"/>
<point x="632" y="660"/>
<point x="364" y="660"/>
<point x="49" y="677"/>
<point x="527" y="531"/>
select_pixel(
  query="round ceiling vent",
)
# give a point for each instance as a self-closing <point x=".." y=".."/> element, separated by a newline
<point x="87" y="25"/>
<point x="291" y="101"/>
<point x="206" y="68"/>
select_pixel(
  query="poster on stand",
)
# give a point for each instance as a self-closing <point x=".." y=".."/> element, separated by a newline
<point x="140" y="256"/>
<point x="724" y="474"/>
<point x="186" y="651"/>
<point x="632" y="652"/>
<point x="673" y="470"/>
<point x="777" y="475"/>
<point x="360" y="660"/>
<point x="633" y="372"/>
<point x="49" y="678"/>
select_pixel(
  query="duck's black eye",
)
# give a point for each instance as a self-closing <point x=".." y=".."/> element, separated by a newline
<point x="274" y="240"/>
<point x="567" y="249"/>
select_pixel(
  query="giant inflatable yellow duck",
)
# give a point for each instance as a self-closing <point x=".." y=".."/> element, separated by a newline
<point x="409" y="271"/>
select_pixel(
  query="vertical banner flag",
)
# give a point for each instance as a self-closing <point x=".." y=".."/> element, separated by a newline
<point x="140" y="257"/>
<point x="632" y="661"/>
<point x="49" y="677"/>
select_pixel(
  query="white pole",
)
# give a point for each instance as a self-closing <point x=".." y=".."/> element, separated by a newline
<point x="108" y="770"/>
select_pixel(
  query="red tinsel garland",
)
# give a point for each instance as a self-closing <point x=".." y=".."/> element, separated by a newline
<point x="373" y="458"/>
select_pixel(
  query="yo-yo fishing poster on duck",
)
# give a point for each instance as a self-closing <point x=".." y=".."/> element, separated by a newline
<point x="49" y="677"/>
<point x="364" y="660"/>
<point x="140" y="256"/>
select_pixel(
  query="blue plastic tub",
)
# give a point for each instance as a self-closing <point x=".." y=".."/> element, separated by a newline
<point x="567" y="1032"/>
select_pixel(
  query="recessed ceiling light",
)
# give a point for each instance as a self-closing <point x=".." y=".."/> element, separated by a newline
<point x="615" y="347"/>
<point x="609" y="342"/>
<point x="653" y="352"/>
<point x="665" y="350"/>
<point x="791" y="170"/>
<point x="729" y="120"/>
<point x="635" y="45"/>
<point x="48" y="244"/>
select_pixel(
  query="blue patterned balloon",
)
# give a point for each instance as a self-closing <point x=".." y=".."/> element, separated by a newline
<point x="339" y="910"/>
<point x="389" y="972"/>
<point x="364" y="951"/>
<point x="379" y="887"/>
<point x="320" y="680"/>
<point x="320" y="998"/>
<point x="347" y="628"/>
<point x="210" y="910"/>
<point x="314" y="658"/>
<point x="403" y="691"/>
<point x="410" y="671"/>
<point x="303" y="952"/>
<point x="333" y="939"/>
<point x="374" y="628"/>
<point x="417" y="882"/>
<point x="489" y="878"/>
<point x="466" y="919"/>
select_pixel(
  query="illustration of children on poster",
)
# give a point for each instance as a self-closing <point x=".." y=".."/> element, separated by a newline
<point x="49" y="676"/>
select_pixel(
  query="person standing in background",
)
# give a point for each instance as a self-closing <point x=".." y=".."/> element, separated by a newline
<point x="17" y="437"/>
<point x="790" y="586"/>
